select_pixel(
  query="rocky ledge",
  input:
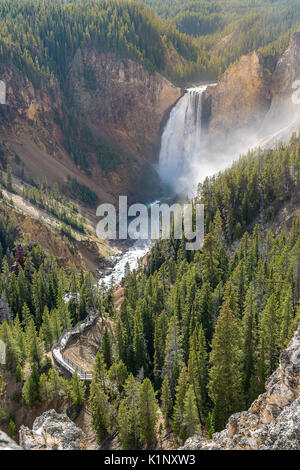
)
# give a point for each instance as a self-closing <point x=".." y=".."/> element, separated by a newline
<point x="52" y="431"/>
<point x="272" y="421"/>
<point x="6" y="443"/>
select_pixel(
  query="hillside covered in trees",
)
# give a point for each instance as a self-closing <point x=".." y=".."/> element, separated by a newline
<point x="227" y="29"/>
<point x="197" y="333"/>
<point x="41" y="37"/>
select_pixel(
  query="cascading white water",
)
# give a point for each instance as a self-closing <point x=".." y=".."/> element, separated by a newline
<point x="181" y="141"/>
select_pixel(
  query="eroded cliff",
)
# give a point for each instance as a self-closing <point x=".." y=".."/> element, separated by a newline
<point x="250" y="105"/>
<point x="235" y="108"/>
<point x="119" y="101"/>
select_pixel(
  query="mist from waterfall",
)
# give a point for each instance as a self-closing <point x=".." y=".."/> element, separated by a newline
<point x="186" y="155"/>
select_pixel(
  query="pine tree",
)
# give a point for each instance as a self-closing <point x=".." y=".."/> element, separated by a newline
<point x="173" y="355"/>
<point x="100" y="411"/>
<point x="77" y="390"/>
<point x="269" y="331"/>
<point x="286" y="318"/>
<point x="181" y="390"/>
<point x="46" y="330"/>
<point x="19" y="374"/>
<point x="100" y="375"/>
<point x="31" y="391"/>
<point x="160" y="335"/>
<point x="106" y="348"/>
<point x="166" y="401"/>
<point x="128" y="416"/>
<point x="225" y="377"/>
<point x="147" y="413"/>
<point x="118" y="375"/>
<point x="139" y="346"/>
<point x="198" y="370"/>
<point x="190" y="413"/>
<point x="204" y="310"/>
<point x="210" y="261"/>
<point x="12" y="429"/>
<point x="34" y="346"/>
<point x="249" y="333"/>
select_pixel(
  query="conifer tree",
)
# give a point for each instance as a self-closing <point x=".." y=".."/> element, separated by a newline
<point x="147" y="413"/>
<point x="139" y="346"/>
<point x="249" y="340"/>
<point x="34" y="346"/>
<point x="31" y="391"/>
<point x="160" y="335"/>
<point x="166" y="400"/>
<point x="204" y="310"/>
<point x="269" y="331"/>
<point x="100" y="411"/>
<point x="198" y="370"/>
<point x="190" y="413"/>
<point x="19" y="374"/>
<point x="118" y="374"/>
<point x="210" y="261"/>
<point x="106" y="348"/>
<point x="178" y="411"/>
<point x="77" y="390"/>
<point x="46" y="330"/>
<point x="225" y="375"/>
<point x="128" y="416"/>
<point x="173" y="355"/>
<point x="100" y="375"/>
<point x="286" y="318"/>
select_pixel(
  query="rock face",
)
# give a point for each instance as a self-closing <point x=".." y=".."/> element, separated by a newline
<point x="121" y="100"/>
<point x="6" y="443"/>
<point x="118" y="99"/>
<point x="240" y="100"/>
<point x="52" y="431"/>
<point x="287" y="72"/>
<point x="250" y="103"/>
<point x="272" y="421"/>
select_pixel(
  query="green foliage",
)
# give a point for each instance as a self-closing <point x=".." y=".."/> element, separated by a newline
<point x="228" y="30"/>
<point x="77" y="390"/>
<point x="255" y="185"/>
<point x="31" y="391"/>
<point x="190" y="414"/>
<point x="225" y="375"/>
<point x="80" y="191"/>
<point x="217" y="320"/>
<point x="12" y="429"/>
<point x="128" y="416"/>
<point x="57" y="205"/>
<point x="106" y="348"/>
<point x="148" y="417"/>
<point x="53" y="386"/>
<point x="100" y="411"/>
<point x="166" y="400"/>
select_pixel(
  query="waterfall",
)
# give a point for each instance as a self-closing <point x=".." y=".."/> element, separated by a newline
<point x="181" y="142"/>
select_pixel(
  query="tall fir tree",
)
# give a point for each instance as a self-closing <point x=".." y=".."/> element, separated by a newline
<point x="148" y="413"/>
<point x="225" y="375"/>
